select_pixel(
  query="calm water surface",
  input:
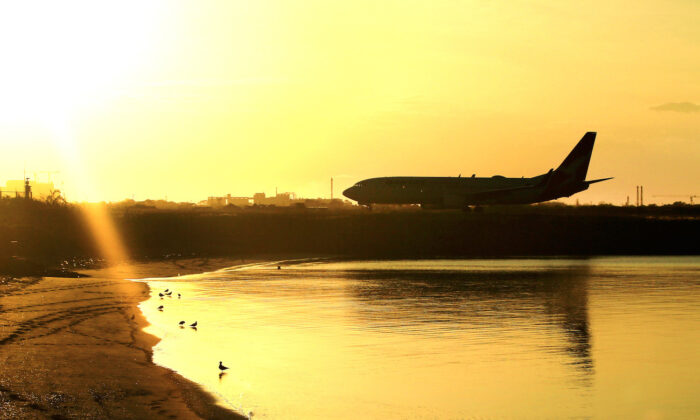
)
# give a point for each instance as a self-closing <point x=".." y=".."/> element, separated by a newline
<point x="533" y="338"/>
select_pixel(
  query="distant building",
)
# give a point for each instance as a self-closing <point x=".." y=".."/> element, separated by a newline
<point x="215" y="202"/>
<point x="40" y="190"/>
<point x="228" y="200"/>
<point x="284" y="199"/>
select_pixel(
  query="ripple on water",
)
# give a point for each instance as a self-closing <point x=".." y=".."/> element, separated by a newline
<point x="441" y="338"/>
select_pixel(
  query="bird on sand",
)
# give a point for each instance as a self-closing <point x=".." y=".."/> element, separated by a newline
<point x="193" y="324"/>
<point x="167" y="290"/>
<point x="160" y="308"/>
<point x="161" y="295"/>
<point x="178" y="296"/>
<point x="221" y="366"/>
<point x="181" y="323"/>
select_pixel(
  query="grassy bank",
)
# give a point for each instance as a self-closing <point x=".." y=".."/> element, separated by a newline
<point x="57" y="235"/>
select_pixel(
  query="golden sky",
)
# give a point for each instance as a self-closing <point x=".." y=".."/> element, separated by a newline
<point x="199" y="98"/>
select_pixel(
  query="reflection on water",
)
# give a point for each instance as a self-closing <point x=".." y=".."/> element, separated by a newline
<point x="453" y="300"/>
<point x="440" y="339"/>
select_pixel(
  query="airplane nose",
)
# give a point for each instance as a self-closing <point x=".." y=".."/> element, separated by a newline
<point x="351" y="193"/>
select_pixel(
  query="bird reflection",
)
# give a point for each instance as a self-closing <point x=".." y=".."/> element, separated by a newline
<point x="411" y="297"/>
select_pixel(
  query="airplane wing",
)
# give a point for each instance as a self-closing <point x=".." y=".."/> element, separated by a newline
<point x="494" y="194"/>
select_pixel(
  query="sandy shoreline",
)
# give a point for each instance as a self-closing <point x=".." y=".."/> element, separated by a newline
<point x="75" y="348"/>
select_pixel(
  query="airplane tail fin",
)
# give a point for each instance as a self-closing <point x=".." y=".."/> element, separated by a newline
<point x="575" y="166"/>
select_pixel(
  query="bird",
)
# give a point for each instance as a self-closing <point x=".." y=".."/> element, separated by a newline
<point x="178" y="296"/>
<point x="194" y="324"/>
<point x="160" y="308"/>
<point x="279" y="267"/>
<point x="161" y="295"/>
<point x="166" y="290"/>
<point x="181" y="323"/>
<point x="221" y="366"/>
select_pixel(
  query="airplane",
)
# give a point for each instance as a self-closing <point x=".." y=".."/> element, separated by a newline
<point x="461" y="193"/>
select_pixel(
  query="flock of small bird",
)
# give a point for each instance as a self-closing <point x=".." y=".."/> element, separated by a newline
<point x="169" y="293"/>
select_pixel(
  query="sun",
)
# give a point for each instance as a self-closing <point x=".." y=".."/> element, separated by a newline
<point x="59" y="56"/>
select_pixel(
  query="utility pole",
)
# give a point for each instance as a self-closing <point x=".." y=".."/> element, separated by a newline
<point x="637" y="202"/>
<point x="331" y="188"/>
<point x="641" y="194"/>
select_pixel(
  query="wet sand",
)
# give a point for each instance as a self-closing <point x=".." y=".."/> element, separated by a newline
<point x="75" y="348"/>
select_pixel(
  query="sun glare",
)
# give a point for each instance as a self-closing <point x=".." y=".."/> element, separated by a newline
<point x="58" y="56"/>
<point x="96" y="215"/>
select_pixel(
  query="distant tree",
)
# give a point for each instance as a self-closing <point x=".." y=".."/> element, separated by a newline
<point x="55" y="198"/>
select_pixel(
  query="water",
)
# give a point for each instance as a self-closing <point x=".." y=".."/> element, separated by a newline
<point x="536" y="338"/>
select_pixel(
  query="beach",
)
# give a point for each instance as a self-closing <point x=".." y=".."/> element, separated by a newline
<point x="75" y="348"/>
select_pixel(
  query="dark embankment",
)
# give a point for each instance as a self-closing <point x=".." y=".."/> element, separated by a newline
<point x="57" y="234"/>
<point x="411" y="234"/>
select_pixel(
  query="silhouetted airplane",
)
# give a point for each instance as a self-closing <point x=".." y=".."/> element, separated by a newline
<point x="457" y="192"/>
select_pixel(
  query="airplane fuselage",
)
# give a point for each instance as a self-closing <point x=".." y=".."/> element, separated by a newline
<point x="454" y="192"/>
<point x="457" y="192"/>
